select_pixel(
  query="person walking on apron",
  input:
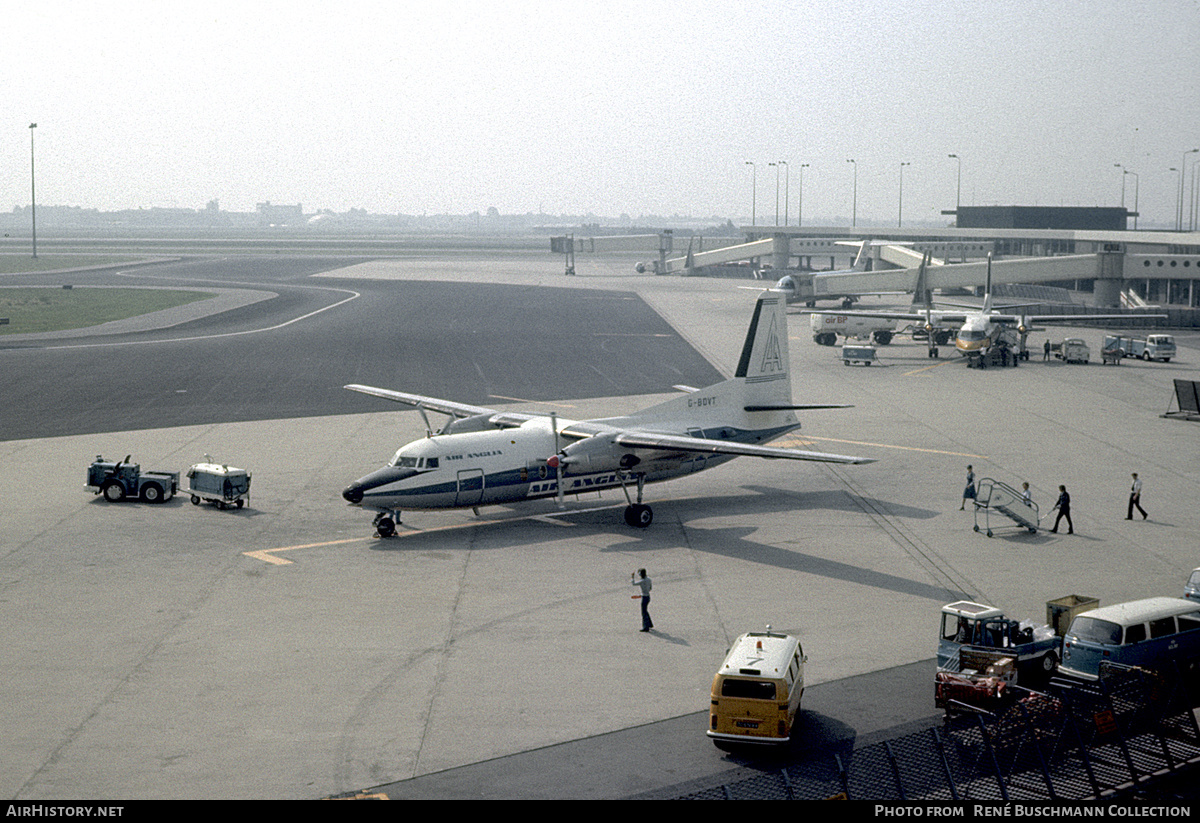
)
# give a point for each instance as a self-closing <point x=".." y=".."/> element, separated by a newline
<point x="640" y="580"/>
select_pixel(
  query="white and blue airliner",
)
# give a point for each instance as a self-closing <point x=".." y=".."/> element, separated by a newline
<point x="488" y="457"/>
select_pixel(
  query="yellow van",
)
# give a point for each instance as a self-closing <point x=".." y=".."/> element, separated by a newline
<point x="756" y="692"/>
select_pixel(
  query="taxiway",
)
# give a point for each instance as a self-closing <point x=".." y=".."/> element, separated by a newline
<point x="283" y="651"/>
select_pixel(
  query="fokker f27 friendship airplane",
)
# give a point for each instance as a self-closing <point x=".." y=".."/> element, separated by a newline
<point x="980" y="328"/>
<point x="487" y="457"/>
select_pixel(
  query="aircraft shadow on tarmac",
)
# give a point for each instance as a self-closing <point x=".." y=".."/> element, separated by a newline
<point x="734" y="541"/>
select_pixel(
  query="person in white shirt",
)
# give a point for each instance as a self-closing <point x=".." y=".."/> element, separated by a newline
<point x="640" y="580"/>
<point x="1135" y="498"/>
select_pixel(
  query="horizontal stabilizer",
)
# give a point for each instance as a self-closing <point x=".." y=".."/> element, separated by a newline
<point x="804" y="407"/>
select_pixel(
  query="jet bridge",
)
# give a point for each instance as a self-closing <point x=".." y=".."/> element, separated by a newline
<point x="994" y="496"/>
<point x="727" y="254"/>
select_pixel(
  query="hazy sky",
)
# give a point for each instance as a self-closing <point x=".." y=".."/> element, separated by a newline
<point x="603" y="107"/>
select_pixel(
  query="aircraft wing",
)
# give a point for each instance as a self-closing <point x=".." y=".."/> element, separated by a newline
<point x="911" y="316"/>
<point x="701" y="445"/>
<point x="1018" y="319"/>
<point x="503" y="420"/>
<point x="418" y="401"/>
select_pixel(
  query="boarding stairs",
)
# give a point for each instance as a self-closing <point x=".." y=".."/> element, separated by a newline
<point x="1001" y="498"/>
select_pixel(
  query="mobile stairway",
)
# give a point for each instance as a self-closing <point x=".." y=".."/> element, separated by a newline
<point x="994" y="496"/>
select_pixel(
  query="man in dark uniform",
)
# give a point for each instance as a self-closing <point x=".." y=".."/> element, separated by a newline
<point x="1064" y="510"/>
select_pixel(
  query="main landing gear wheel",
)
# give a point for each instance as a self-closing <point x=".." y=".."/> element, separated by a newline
<point x="639" y="515"/>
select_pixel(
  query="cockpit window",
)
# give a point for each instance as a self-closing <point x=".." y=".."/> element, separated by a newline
<point x="401" y="461"/>
<point x="971" y="335"/>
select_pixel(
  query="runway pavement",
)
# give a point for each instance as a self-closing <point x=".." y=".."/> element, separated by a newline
<point x="283" y="651"/>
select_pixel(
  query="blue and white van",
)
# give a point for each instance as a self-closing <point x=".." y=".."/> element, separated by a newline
<point x="1150" y="633"/>
<point x="1191" y="589"/>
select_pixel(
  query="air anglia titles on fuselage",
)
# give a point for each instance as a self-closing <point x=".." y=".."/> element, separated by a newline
<point x="489" y="457"/>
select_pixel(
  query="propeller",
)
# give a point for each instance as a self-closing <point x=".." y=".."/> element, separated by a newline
<point x="556" y="461"/>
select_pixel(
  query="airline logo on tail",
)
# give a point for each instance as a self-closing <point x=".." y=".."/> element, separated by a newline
<point x="772" y="359"/>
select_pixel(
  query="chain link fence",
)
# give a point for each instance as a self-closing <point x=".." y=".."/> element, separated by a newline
<point x="1130" y="733"/>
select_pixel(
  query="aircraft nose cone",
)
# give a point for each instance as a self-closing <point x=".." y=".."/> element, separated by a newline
<point x="353" y="494"/>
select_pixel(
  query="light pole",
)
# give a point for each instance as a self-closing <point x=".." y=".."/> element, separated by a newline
<point x="1179" y="200"/>
<point x="753" y="192"/>
<point x="1192" y="204"/>
<point x="854" y="208"/>
<point x="786" y="175"/>
<point x="958" y="188"/>
<point x="776" y="165"/>
<point x="32" y="190"/>
<point x="1123" y="173"/>
<point x="900" y="211"/>
<point x="800" y="197"/>
<point x="1136" y="185"/>
<point x="1179" y="185"/>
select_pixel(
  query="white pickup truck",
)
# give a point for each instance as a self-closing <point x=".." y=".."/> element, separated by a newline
<point x="1151" y="347"/>
<point x="1073" y="350"/>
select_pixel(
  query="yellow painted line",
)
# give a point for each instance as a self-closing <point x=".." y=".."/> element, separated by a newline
<point x="926" y="368"/>
<point x="904" y="448"/>
<point x="268" y="555"/>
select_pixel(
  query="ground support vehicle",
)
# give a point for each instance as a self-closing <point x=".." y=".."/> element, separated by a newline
<point x="1111" y="351"/>
<point x="1155" y="633"/>
<point x="994" y="496"/>
<point x="1151" y="347"/>
<point x="981" y="654"/>
<point x="756" y="693"/>
<point x="983" y="681"/>
<point x="1191" y="589"/>
<point x="857" y="353"/>
<point x="123" y="480"/>
<point x="826" y="328"/>
<point x="1072" y="350"/>
<point x="222" y="485"/>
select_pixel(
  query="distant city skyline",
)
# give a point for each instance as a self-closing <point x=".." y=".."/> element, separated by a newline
<point x="607" y="109"/>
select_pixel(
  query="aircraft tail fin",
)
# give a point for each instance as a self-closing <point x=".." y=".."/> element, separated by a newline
<point x="761" y="385"/>
<point x="764" y="363"/>
<point x="863" y="261"/>
<point x="922" y="294"/>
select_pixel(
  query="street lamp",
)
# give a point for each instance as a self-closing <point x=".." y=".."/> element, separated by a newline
<point x="1179" y="200"/>
<point x="786" y="174"/>
<point x="854" y="211"/>
<point x="32" y="190"/>
<point x="900" y="213"/>
<point x="776" y="165"/>
<point x="753" y="192"/>
<point x="958" y="188"/>
<point x="1195" y="204"/>
<point x="800" y="197"/>
<point x="1136" y="186"/>
<point x="1179" y="185"/>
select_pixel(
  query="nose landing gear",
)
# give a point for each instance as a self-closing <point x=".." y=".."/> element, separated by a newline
<point x="385" y="523"/>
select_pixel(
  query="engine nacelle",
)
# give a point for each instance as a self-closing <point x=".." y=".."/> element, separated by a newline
<point x="475" y="423"/>
<point x="594" y="454"/>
